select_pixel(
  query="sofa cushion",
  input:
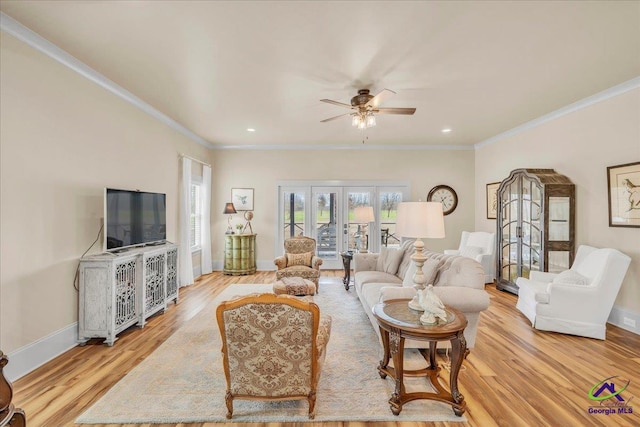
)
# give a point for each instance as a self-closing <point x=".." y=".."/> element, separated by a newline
<point x="407" y="246"/>
<point x="460" y="271"/>
<point x="429" y="269"/>
<point x="389" y="260"/>
<point x="364" y="277"/>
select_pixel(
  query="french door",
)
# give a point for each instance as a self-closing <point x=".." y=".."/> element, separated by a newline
<point x="330" y="214"/>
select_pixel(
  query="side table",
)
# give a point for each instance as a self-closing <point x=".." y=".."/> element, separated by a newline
<point x="397" y="322"/>
<point x="239" y="254"/>
<point x="346" y="263"/>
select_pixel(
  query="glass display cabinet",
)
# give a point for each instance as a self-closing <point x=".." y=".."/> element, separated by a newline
<point x="536" y="225"/>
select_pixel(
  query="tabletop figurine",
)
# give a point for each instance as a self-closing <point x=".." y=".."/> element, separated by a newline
<point x="432" y="306"/>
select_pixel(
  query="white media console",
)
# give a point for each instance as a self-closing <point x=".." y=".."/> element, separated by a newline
<point x="118" y="290"/>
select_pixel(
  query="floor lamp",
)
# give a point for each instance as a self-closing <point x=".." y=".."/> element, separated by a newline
<point x="419" y="220"/>
<point x="363" y="215"/>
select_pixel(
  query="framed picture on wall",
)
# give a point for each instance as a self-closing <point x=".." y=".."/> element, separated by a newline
<point x="242" y="198"/>
<point x="492" y="200"/>
<point x="624" y="195"/>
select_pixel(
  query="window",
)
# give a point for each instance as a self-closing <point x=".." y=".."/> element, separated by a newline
<point x="195" y="232"/>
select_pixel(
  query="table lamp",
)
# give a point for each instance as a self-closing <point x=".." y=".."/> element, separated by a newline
<point x="363" y="215"/>
<point x="419" y="220"/>
<point x="229" y="209"/>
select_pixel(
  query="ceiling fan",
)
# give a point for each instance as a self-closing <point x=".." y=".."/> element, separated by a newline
<point x="365" y="107"/>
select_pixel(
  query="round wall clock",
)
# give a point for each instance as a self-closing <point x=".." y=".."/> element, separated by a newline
<point x="446" y="195"/>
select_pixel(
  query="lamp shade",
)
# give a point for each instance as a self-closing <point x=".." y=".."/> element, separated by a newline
<point x="363" y="214"/>
<point x="229" y="209"/>
<point x="420" y="220"/>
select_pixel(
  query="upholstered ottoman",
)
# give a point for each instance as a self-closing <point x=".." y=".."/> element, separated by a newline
<point x="294" y="286"/>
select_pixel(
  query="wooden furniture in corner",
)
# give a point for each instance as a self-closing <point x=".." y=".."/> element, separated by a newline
<point x="239" y="254"/>
<point x="9" y="414"/>
<point x="535" y="229"/>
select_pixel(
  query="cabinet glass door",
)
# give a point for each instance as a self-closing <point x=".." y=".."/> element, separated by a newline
<point x="509" y="243"/>
<point x="521" y="242"/>
<point x="531" y="234"/>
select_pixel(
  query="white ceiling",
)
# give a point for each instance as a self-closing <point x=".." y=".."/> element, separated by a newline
<point x="218" y="68"/>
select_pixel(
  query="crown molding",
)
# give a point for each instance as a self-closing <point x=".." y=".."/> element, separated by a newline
<point x="578" y="105"/>
<point x="36" y="41"/>
<point x="358" y="146"/>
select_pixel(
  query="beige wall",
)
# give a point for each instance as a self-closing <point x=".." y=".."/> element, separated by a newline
<point x="579" y="145"/>
<point x="262" y="170"/>
<point x="63" y="139"/>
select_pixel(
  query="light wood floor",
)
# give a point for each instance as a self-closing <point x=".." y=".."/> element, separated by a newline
<point x="515" y="376"/>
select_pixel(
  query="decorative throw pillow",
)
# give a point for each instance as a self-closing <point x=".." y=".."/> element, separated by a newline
<point x="389" y="260"/>
<point x="570" y="277"/>
<point x="429" y="269"/>
<point x="471" y="251"/>
<point x="299" y="259"/>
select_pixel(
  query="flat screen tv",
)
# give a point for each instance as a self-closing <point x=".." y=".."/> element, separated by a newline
<point x="134" y="218"/>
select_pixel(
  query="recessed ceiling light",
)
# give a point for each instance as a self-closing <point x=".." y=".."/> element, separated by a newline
<point x="446" y="130"/>
<point x="251" y="130"/>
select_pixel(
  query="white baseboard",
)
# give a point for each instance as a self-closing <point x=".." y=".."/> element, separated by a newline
<point x="618" y="315"/>
<point x="36" y="354"/>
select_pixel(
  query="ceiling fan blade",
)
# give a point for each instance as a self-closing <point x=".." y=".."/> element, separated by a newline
<point x="379" y="98"/>
<point x="340" y="104"/>
<point x="406" y="111"/>
<point x="334" y="118"/>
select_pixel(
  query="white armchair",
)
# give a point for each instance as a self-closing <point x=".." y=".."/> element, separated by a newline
<point x="481" y="246"/>
<point x="577" y="301"/>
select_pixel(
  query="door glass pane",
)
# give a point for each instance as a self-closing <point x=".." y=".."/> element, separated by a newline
<point x="388" y="208"/>
<point x="509" y="203"/>
<point x="558" y="261"/>
<point x="326" y="213"/>
<point x="559" y="218"/>
<point x="358" y="228"/>
<point x="293" y="209"/>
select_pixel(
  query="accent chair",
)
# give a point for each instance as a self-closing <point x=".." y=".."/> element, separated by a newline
<point x="273" y="348"/>
<point x="299" y="260"/>
<point x="577" y="301"/>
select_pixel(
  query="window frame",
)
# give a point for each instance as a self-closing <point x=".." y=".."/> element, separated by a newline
<point x="195" y="231"/>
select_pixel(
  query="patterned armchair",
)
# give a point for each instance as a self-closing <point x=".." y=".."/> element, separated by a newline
<point x="273" y="348"/>
<point x="299" y="260"/>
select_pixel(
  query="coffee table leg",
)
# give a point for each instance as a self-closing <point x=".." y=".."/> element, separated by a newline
<point x="384" y="334"/>
<point x="396" y="345"/>
<point x="458" y="350"/>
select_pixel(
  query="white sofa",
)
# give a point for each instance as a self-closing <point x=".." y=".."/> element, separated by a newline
<point x="577" y="301"/>
<point x="459" y="282"/>
<point x="481" y="246"/>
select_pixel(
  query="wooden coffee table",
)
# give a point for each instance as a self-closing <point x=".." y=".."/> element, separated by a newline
<point x="398" y="322"/>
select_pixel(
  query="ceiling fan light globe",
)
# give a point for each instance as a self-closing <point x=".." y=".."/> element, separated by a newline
<point x="355" y="121"/>
<point x="371" y="120"/>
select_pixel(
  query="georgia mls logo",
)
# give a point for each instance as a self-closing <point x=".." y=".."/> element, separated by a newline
<point x="608" y="395"/>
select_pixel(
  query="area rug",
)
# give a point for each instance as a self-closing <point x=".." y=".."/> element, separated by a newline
<point x="183" y="380"/>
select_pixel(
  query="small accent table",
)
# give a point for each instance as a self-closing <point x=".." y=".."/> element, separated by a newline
<point x="239" y="254"/>
<point x="346" y="263"/>
<point x="397" y="322"/>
